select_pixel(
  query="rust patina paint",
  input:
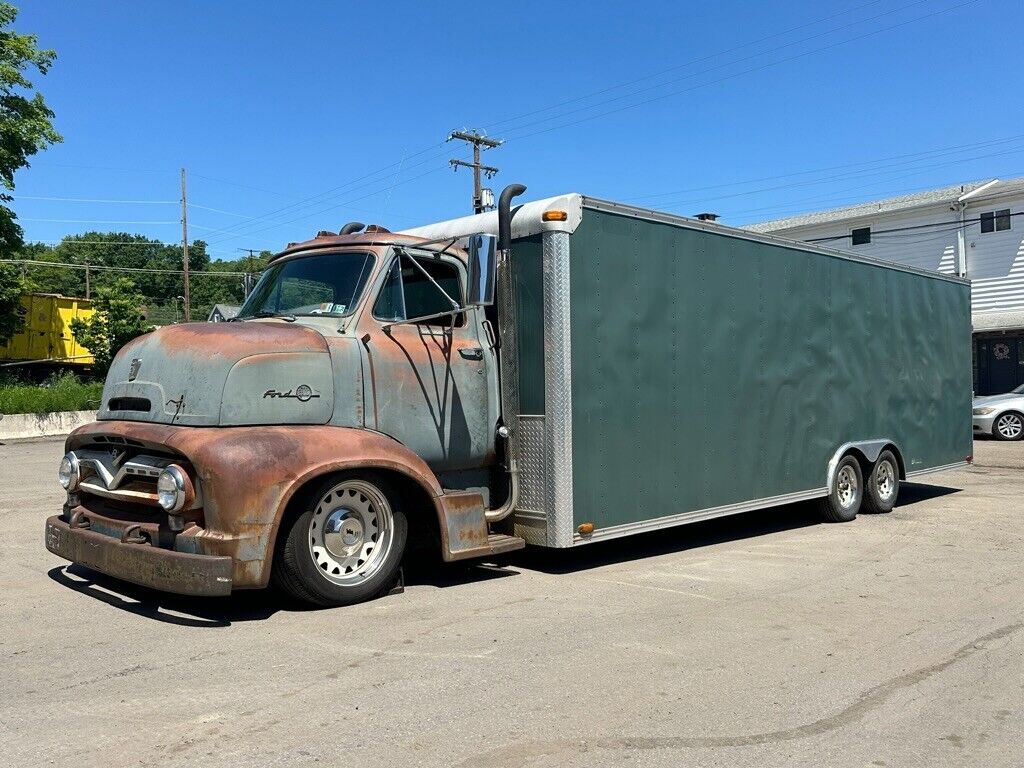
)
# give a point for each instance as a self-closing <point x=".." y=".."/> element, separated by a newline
<point x="248" y="476"/>
<point x="232" y="338"/>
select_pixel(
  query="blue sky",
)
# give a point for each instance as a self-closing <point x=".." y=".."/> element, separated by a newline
<point x="296" y="117"/>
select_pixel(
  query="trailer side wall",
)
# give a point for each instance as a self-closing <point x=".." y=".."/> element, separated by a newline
<point x="710" y="370"/>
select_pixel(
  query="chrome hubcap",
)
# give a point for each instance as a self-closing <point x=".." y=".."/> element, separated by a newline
<point x="351" y="532"/>
<point x="846" y="487"/>
<point x="885" y="478"/>
<point x="1009" y="426"/>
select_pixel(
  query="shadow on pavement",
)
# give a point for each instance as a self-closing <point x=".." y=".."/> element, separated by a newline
<point x="912" y="493"/>
<point x="244" y="605"/>
<point x="173" y="609"/>
<point x="749" y="525"/>
<point x="428" y="570"/>
<point x="662" y="542"/>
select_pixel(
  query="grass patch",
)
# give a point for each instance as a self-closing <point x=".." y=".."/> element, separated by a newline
<point x="62" y="392"/>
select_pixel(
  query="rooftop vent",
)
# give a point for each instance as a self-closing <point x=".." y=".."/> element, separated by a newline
<point x="707" y="217"/>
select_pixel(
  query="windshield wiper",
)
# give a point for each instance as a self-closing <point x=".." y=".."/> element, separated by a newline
<point x="264" y="313"/>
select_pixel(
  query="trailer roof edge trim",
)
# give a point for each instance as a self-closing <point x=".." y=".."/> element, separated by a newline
<point x="527" y="222"/>
<point x="759" y="237"/>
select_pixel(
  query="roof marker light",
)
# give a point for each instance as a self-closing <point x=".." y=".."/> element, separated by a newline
<point x="554" y="216"/>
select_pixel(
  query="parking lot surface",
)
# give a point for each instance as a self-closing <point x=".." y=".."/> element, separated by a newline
<point x="760" y="640"/>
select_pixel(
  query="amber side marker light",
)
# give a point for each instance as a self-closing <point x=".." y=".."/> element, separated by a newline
<point x="585" y="529"/>
<point x="554" y="216"/>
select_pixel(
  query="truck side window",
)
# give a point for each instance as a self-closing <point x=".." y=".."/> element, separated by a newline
<point x="408" y="293"/>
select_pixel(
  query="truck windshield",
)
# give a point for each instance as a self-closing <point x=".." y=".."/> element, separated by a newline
<point x="322" y="284"/>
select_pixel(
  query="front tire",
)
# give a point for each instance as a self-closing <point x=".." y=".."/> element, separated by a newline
<point x="1008" y="426"/>
<point x="883" y="484"/>
<point x="846" y="494"/>
<point x="346" y="544"/>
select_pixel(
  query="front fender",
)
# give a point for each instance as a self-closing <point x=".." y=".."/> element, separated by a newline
<point x="250" y="474"/>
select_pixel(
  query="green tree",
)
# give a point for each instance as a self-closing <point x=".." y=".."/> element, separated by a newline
<point x="25" y="120"/>
<point x="11" y="289"/>
<point x="118" y="319"/>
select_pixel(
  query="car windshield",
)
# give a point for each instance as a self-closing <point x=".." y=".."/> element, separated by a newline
<point x="1018" y="391"/>
<point x="322" y="284"/>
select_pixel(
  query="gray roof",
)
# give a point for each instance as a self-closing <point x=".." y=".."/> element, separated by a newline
<point x="227" y="311"/>
<point x="948" y="194"/>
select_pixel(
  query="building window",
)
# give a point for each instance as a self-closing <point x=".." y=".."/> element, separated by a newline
<point x="995" y="221"/>
<point x="861" y="236"/>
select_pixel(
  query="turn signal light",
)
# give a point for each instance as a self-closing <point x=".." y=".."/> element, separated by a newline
<point x="554" y="216"/>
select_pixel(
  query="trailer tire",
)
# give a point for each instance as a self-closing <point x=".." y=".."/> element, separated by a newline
<point x="846" y="494"/>
<point x="883" y="485"/>
<point x="345" y="545"/>
<point x="1008" y="426"/>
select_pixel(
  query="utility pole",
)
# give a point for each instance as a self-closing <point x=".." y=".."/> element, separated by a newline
<point x="247" y="281"/>
<point x="87" y="292"/>
<point x="184" y="248"/>
<point x="477" y="141"/>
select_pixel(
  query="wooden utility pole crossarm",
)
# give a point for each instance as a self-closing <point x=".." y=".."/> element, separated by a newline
<point x="477" y="141"/>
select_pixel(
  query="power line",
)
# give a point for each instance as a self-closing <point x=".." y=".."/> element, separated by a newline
<point x="860" y="174"/>
<point x="735" y="74"/>
<point x="145" y="270"/>
<point x="329" y="209"/>
<point x="319" y="198"/>
<point x="938" y="150"/>
<point x="96" y="200"/>
<point x="952" y="226"/>
<point x="677" y="67"/>
<point x="796" y="207"/>
<point x="96" y="221"/>
<point x="717" y="67"/>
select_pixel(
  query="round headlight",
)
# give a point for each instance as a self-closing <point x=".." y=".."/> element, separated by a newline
<point x="170" y="489"/>
<point x="69" y="472"/>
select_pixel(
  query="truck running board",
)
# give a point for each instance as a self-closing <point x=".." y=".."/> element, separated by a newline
<point x="464" y="529"/>
<point x="500" y="543"/>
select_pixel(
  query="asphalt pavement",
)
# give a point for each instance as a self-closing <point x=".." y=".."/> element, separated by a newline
<point x="766" y="639"/>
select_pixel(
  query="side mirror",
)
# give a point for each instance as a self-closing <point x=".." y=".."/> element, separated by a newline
<point x="482" y="270"/>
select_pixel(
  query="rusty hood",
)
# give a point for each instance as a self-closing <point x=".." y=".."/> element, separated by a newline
<point x="221" y="374"/>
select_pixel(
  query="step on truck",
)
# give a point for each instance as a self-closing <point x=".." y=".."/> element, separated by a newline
<point x="552" y="374"/>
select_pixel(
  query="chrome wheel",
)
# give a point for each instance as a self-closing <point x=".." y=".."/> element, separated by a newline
<point x="847" y="490"/>
<point x="351" y="532"/>
<point x="885" y="480"/>
<point x="1009" y="426"/>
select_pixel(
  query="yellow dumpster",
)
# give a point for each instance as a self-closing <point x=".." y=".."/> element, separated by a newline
<point x="44" y="332"/>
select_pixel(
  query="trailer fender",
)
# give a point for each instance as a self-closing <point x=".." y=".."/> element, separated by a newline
<point x="867" y="451"/>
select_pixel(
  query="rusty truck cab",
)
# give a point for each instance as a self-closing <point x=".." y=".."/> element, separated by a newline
<point x="355" y="398"/>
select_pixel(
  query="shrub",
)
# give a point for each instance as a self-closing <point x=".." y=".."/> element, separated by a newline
<point x="61" y="392"/>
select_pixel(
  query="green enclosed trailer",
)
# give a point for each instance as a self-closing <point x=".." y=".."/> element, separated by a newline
<point x="671" y="370"/>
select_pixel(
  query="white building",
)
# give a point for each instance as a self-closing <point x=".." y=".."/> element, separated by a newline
<point x="974" y="229"/>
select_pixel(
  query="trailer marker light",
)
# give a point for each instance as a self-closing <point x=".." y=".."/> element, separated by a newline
<point x="554" y="216"/>
<point x="585" y="529"/>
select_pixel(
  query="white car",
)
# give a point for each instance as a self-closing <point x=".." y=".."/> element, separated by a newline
<point x="1001" y="416"/>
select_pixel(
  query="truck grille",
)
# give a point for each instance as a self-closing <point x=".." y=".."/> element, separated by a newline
<point x="123" y="473"/>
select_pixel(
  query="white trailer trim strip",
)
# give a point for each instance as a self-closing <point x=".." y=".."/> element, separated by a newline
<point x="695" y="516"/>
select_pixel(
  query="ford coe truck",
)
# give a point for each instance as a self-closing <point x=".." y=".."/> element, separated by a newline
<point x="552" y="374"/>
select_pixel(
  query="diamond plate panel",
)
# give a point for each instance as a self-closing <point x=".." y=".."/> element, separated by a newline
<point x="558" y="389"/>
<point x="532" y="465"/>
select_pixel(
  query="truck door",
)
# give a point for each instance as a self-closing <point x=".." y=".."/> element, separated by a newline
<point x="429" y="378"/>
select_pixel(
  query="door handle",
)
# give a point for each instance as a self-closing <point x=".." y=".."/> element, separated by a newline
<point x="472" y="353"/>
